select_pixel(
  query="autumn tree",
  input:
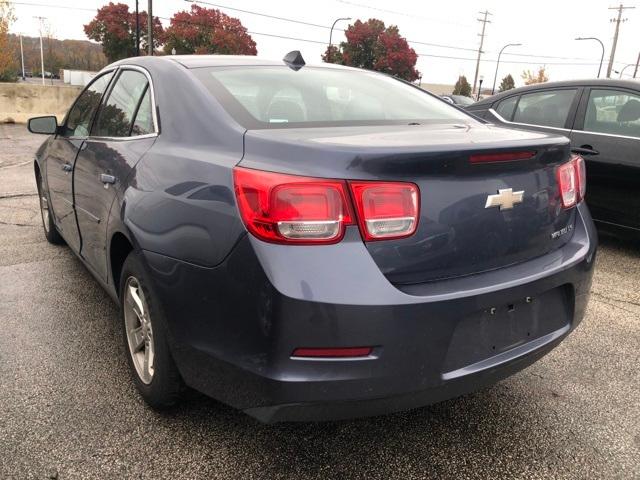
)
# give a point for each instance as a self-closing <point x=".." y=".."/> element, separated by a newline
<point x="115" y="28"/>
<point x="207" y="30"/>
<point x="374" y="46"/>
<point x="7" y="61"/>
<point x="462" y="87"/>
<point x="507" y="83"/>
<point x="531" y="78"/>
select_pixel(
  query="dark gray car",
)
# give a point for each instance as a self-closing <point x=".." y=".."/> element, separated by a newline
<point x="313" y="242"/>
<point x="602" y="120"/>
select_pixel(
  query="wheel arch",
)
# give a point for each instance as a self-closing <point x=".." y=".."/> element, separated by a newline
<point x="120" y="246"/>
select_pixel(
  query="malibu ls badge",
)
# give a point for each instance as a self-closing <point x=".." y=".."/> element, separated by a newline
<point x="505" y="199"/>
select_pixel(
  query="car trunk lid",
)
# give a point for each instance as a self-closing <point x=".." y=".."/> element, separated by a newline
<point x="475" y="215"/>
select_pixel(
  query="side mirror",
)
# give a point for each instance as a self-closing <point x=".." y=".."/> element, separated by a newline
<point x="47" y="125"/>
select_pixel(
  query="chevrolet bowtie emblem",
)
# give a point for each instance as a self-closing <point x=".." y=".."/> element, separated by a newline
<point x="505" y="199"/>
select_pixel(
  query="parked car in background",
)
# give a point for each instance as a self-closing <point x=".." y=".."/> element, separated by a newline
<point x="602" y="120"/>
<point x="459" y="100"/>
<point x="313" y="242"/>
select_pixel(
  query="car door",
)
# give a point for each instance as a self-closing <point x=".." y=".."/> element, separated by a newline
<point x="123" y="130"/>
<point x="609" y="123"/>
<point x="62" y="153"/>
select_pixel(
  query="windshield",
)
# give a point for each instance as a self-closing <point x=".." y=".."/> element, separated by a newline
<point x="279" y="97"/>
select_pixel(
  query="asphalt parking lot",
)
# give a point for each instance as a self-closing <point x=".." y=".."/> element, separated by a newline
<point x="68" y="410"/>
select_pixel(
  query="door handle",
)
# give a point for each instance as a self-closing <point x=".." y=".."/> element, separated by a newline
<point x="67" y="167"/>
<point x="107" y="179"/>
<point x="585" y="150"/>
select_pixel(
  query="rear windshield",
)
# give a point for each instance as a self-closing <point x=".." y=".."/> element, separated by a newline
<point x="279" y="97"/>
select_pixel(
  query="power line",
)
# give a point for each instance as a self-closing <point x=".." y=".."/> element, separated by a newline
<point x="318" y="42"/>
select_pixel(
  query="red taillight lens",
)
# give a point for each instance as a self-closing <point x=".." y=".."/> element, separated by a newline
<point x="332" y="352"/>
<point x="572" y="181"/>
<point x="291" y="209"/>
<point x="581" y="172"/>
<point x="386" y="210"/>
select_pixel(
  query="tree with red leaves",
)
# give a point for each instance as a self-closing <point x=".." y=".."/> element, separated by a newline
<point x="374" y="46"/>
<point x="208" y="30"/>
<point x="115" y="28"/>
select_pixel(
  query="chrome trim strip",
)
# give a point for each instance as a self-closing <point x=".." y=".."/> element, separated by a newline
<point x="499" y="117"/>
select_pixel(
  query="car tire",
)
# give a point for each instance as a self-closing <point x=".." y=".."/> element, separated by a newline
<point x="50" y="231"/>
<point x="144" y="329"/>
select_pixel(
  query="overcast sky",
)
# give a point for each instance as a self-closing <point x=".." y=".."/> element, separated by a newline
<point x="545" y="28"/>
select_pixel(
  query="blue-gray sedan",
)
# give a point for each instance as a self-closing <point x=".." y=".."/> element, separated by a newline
<point x="314" y="242"/>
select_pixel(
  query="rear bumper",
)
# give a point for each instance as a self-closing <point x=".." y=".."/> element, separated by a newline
<point x="233" y="328"/>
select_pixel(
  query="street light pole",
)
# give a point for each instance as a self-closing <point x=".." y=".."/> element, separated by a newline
<point x="601" y="44"/>
<point x="331" y="35"/>
<point x="495" y="78"/>
<point x="625" y="67"/>
<point x="635" y="72"/>
<point x="40" y="20"/>
<point x="150" y="26"/>
<point x="22" y="57"/>
<point x="137" y="31"/>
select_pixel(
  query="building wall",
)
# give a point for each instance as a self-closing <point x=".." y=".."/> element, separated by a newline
<point x="437" y="88"/>
<point x="21" y="101"/>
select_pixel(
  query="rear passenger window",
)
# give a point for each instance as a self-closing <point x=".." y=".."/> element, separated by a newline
<point x="613" y="111"/>
<point x="506" y="107"/>
<point x="546" y="108"/>
<point x="115" y="117"/>
<point x="143" y="123"/>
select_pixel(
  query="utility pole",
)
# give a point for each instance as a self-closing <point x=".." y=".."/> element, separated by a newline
<point x="615" y="35"/>
<point x="41" y="20"/>
<point x="635" y="72"/>
<point x="484" y="22"/>
<point x="150" y="26"/>
<point x="22" y="57"/>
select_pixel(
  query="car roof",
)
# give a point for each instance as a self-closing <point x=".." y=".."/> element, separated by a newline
<point x="594" y="82"/>
<point x="201" y="61"/>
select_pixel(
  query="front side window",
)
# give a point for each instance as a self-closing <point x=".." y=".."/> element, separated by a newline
<point x="614" y="112"/>
<point x="116" y="115"/>
<point x="549" y="108"/>
<point x="279" y="97"/>
<point x="79" y="118"/>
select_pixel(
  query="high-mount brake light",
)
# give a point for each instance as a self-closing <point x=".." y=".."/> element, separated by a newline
<point x="572" y="181"/>
<point x="501" y="156"/>
<point x="386" y="210"/>
<point x="284" y="208"/>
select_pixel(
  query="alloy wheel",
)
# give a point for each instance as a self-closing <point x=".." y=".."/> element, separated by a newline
<point x="139" y="330"/>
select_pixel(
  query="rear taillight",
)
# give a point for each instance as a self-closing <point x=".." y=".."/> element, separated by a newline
<point x="386" y="209"/>
<point x="290" y="209"/>
<point x="572" y="181"/>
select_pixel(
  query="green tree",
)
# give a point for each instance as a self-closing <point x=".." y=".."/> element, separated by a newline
<point x="462" y="87"/>
<point x="507" y="84"/>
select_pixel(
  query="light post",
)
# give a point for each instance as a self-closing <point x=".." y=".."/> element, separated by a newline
<point x="495" y="78"/>
<point x="480" y="80"/>
<point x="625" y="67"/>
<point x="601" y="44"/>
<point x="331" y="36"/>
<point x="40" y="21"/>
<point x="22" y="57"/>
<point x="137" y="31"/>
